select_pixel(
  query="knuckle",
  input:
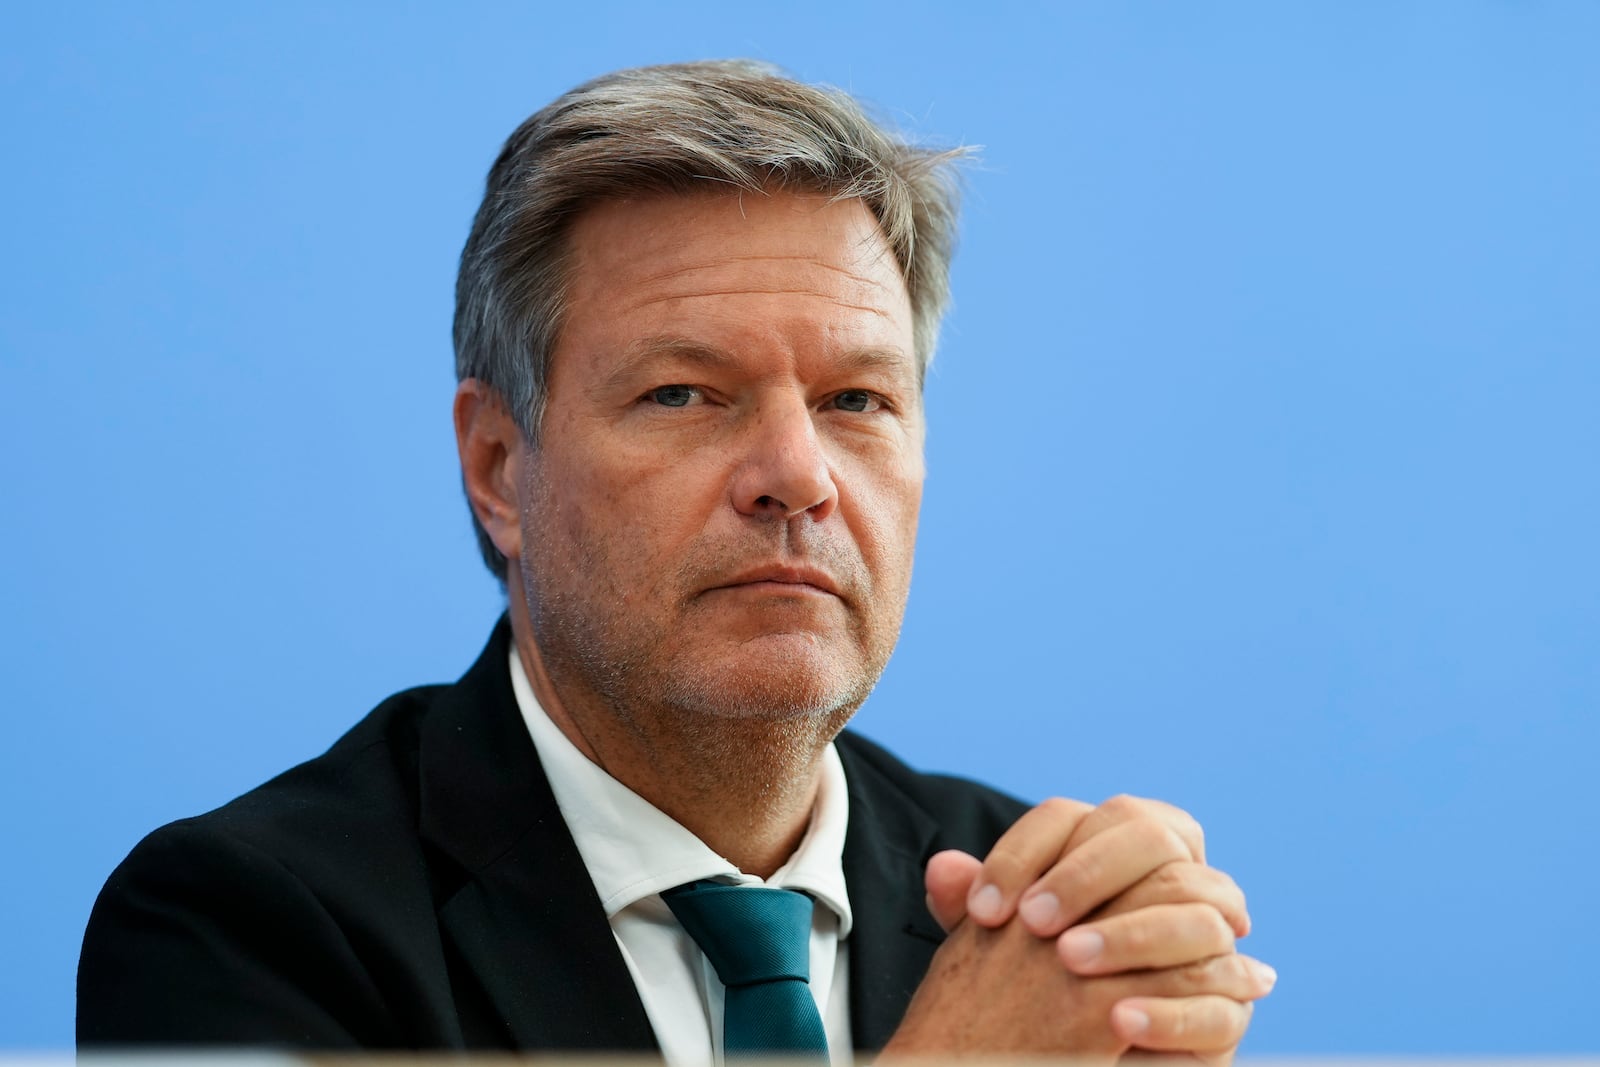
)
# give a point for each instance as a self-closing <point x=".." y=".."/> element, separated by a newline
<point x="1204" y="919"/>
<point x="1181" y="879"/>
<point x="1214" y="924"/>
<point x="1230" y="901"/>
<point x="1129" y="939"/>
<point x="1197" y="1016"/>
<point x="1230" y="976"/>
<point x="1223" y="975"/>
<point x="1147" y="833"/>
<point x="1169" y="1023"/>
<point x="1124" y="804"/>
<point x="1168" y="840"/>
<point x="1193" y="978"/>
<point x="1076" y="874"/>
<point x="1063" y="808"/>
<point x="1186" y="926"/>
<point x="1004" y="865"/>
<point x="1191" y="825"/>
<point x="1227" y="1022"/>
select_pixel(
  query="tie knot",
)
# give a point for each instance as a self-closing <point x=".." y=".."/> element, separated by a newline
<point x="748" y="933"/>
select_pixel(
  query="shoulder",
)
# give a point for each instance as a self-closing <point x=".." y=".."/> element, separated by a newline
<point x="341" y="824"/>
<point x="352" y="798"/>
<point x="271" y="906"/>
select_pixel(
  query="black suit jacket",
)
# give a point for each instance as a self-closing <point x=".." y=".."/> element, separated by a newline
<point x="416" y="887"/>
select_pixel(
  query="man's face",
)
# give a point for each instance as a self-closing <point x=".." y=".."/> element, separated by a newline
<point x="723" y="502"/>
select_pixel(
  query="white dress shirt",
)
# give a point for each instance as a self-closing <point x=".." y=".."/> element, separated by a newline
<point x="634" y="851"/>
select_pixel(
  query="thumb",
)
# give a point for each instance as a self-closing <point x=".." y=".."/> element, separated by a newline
<point x="948" y="878"/>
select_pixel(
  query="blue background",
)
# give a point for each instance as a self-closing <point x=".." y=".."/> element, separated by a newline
<point x="1263" y="448"/>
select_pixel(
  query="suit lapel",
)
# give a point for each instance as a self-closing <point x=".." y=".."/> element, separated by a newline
<point x="893" y="939"/>
<point x="526" y="918"/>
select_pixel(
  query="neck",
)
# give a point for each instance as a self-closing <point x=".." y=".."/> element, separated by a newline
<point x="744" y="786"/>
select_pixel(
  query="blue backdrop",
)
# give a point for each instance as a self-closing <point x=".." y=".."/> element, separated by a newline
<point x="1263" y="447"/>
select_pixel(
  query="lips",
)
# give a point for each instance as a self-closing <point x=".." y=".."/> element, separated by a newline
<point x="785" y="575"/>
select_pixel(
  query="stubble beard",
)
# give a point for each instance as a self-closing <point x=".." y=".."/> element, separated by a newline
<point x="764" y="725"/>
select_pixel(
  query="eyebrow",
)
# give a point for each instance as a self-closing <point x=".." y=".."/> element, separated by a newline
<point x="700" y="354"/>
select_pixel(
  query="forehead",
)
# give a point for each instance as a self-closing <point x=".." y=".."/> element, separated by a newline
<point x="817" y="270"/>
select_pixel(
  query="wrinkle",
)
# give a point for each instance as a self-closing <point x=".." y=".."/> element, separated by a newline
<point x="680" y="271"/>
<point x="880" y="312"/>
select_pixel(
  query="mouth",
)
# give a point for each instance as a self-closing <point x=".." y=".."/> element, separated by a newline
<point x="784" y="580"/>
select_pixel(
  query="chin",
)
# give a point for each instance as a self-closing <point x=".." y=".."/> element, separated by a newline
<point x="782" y="676"/>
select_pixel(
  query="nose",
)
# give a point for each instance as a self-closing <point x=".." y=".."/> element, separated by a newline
<point x="785" y="471"/>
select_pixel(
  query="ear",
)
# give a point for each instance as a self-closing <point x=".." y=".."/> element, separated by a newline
<point x="493" y="452"/>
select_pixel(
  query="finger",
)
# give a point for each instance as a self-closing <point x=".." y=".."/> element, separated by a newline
<point x="1183" y="882"/>
<point x="1188" y="1024"/>
<point x="1096" y="871"/>
<point x="1160" y="936"/>
<point x="948" y="879"/>
<point x="1023" y="853"/>
<point x="1124" y="808"/>
<point x="1232" y="975"/>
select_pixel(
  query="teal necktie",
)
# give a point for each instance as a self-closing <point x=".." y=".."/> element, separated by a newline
<point x="759" y="943"/>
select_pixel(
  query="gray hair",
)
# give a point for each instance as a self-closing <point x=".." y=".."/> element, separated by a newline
<point x="674" y="129"/>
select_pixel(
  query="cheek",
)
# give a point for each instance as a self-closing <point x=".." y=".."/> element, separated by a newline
<point x="886" y="526"/>
<point x="640" y="513"/>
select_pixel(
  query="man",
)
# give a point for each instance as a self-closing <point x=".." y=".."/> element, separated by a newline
<point x="693" y="320"/>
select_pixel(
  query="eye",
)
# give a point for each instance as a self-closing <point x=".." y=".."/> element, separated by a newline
<point x="673" y="396"/>
<point x="858" y="400"/>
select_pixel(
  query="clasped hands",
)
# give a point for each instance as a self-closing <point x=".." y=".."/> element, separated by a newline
<point x="1088" y="932"/>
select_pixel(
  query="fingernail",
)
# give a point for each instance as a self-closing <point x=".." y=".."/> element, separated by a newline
<point x="1131" y="1021"/>
<point x="1264" y="974"/>
<point x="1080" y="947"/>
<point x="1040" y="910"/>
<point x="985" y="904"/>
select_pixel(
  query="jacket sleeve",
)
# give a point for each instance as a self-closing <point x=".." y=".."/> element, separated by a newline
<point x="200" y="938"/>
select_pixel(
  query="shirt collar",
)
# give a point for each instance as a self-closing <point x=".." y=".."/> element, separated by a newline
<point x="633" y="850"/>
